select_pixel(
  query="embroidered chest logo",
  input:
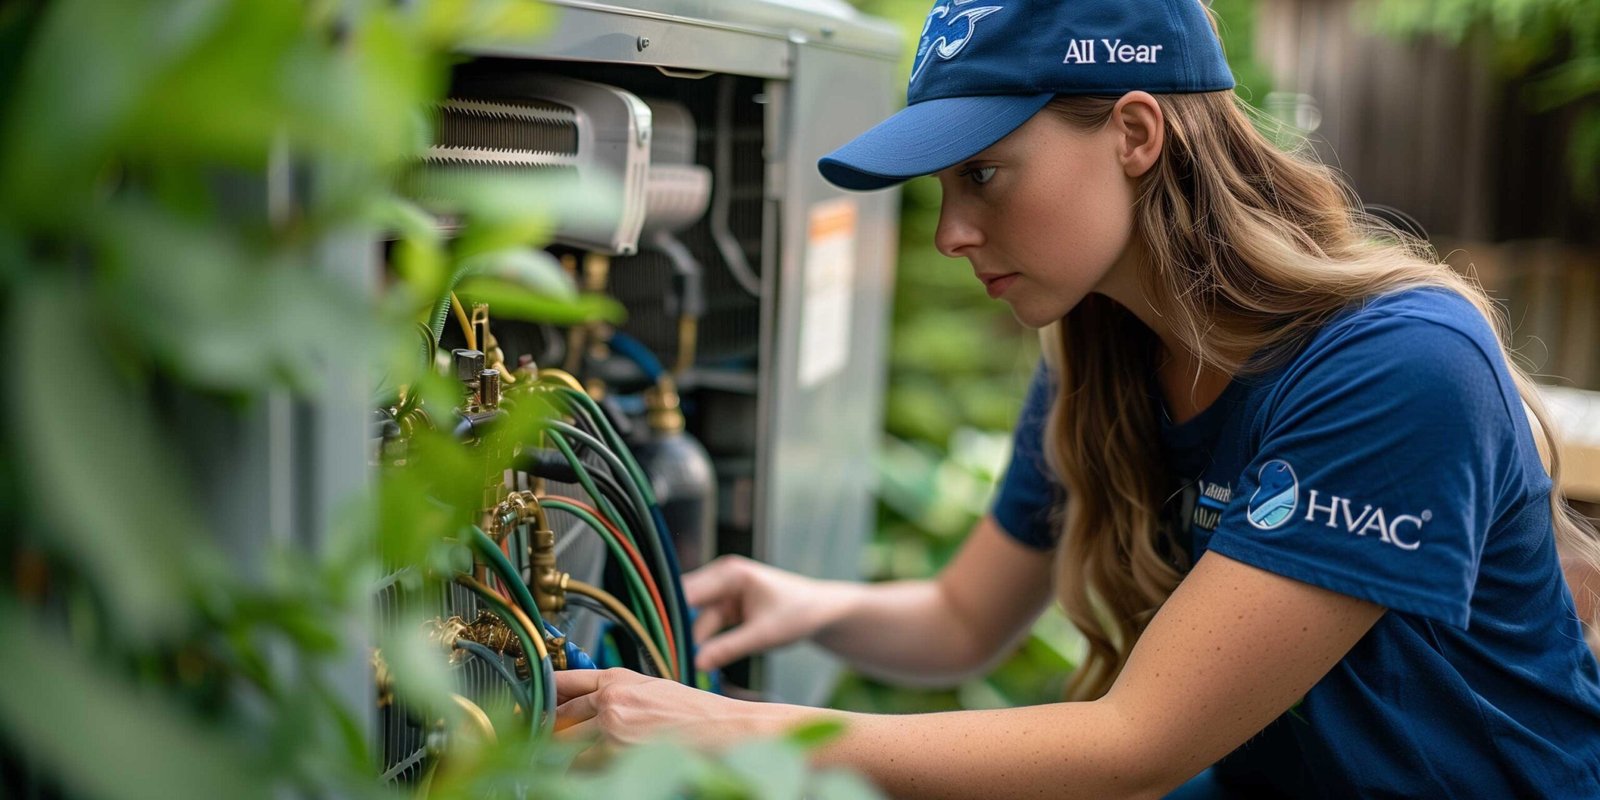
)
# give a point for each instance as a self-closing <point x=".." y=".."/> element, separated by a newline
<point x="1084" y="51"/>
<point x="962" y="25"/>
<point x="1278" y="497"/>
<point x="1210" y="500"/>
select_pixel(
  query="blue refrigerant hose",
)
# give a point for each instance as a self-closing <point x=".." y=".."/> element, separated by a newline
<point x="634" y="350"/>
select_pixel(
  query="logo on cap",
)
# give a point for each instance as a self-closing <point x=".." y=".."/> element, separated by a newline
<point x="942" y="46"/>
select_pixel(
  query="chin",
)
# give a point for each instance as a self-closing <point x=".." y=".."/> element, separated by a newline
<point x="1039" y="312"/>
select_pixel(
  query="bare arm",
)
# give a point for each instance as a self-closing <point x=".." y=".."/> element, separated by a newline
<point x="929" y="631"/>
<point x="1232" y="649"/>
<point x="949" y="627"/>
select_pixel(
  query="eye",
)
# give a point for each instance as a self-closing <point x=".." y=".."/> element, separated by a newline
<point x="978" y="175"/>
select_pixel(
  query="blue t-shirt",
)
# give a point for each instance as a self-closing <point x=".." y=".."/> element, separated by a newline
<point x="1389" y="459"/>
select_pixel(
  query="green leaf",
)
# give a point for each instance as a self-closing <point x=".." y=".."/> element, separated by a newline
<point x="104" y="737"/>
<point x="1583" y="153"/>
<point x="225" y="98"/>
<point x="14" y="261"/>
<point x="534" y="270"/>
<point x="97" y="466"/>
<point x="816" y="733"/>
<point x="85" y="74"/>
<point x="1566" y="83"/>
<point x="200" y="302"/>
<point x="449" y="22"/>
<point x="774" y="769"/>
<point x="511" y="301"/>
<point x="657" y="770"/>
<point x="982" y="694"/>
<point x="417" y="665"/>
<point x="505" y="211"/>
<point x="836" y="784"/>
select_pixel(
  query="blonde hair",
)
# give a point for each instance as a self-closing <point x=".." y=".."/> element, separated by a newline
<point x="1247" y="250"/>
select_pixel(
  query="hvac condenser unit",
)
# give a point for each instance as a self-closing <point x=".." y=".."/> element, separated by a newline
<point x="766" y="287"/>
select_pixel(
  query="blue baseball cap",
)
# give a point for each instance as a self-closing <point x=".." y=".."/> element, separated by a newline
<point x="984" y="67"/>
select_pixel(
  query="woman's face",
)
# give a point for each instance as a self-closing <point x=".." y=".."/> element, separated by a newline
<point x="1045" y="215"/>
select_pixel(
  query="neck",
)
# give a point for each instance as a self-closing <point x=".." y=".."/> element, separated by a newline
<point x="1187" y="384"/>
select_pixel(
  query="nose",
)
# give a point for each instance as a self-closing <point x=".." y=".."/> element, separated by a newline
<point x="956" y="235"/>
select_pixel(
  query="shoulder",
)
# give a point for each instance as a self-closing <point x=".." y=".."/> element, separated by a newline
<point x="1425" y="319"/>
<point x="1429" y="344"/>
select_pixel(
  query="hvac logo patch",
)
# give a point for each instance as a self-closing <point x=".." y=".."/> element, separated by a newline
<point x="1276" y="497"/>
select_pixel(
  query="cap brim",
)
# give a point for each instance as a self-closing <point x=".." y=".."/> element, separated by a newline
<point x="927" y="137"/>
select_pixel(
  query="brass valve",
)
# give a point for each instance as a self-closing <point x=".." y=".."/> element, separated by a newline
<point x="549" y="583"/>
<point x="557" y="645"/>
<point x="494" y="358"/>
<point x="382" y="680"/>
<point x="661" y="400"/>
<point x="446" y="632"/>
<point x="492" y="632"/>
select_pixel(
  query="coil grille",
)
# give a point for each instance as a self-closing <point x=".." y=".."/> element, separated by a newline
<point x="528" y="127"/>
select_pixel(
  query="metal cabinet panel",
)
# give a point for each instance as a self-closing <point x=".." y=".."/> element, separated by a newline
<point x="822" y="435"/>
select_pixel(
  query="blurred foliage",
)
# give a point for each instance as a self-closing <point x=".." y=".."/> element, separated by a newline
<point x="192" y="194"/>
<point x="1554" y="44"/>
<point x="959" y="368"/>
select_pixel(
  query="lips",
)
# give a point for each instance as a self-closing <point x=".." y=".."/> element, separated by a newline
<point x="997" y="284"/>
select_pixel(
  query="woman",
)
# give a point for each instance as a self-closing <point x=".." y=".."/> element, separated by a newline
<point x="1304" y="524"/>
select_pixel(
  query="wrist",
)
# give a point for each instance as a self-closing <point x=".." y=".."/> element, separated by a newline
<point x="772" y="720"/>
<point x="834" y="602"/>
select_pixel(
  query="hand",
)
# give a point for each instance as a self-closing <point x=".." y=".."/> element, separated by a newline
<point x="763" y="606"/>
<point x="622" y="707"/>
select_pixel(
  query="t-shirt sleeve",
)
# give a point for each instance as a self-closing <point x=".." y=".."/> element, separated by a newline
<point x="1029" y="493"/>
<point x="1378" y="469"/>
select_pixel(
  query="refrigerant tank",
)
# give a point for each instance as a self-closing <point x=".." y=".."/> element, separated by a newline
<point x="681" y="476"/>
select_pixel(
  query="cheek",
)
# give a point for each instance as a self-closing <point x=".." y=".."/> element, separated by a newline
<point x="1070" y="240"/>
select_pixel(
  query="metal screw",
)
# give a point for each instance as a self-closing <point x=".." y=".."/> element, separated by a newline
<point x="643" y="43"/>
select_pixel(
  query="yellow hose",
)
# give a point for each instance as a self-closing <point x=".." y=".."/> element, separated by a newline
<point x="466" y="325"/>
<point x="477" y="717"/>
<point x="616" y="607"/>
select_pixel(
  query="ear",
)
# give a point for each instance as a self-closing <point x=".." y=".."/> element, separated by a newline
<point x="1139" y="126"/>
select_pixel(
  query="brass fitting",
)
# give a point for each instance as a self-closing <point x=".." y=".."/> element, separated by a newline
<point x="414" y="420"/>
<point x="382" y="680"/>
<point x="661" y="400"/>
<point x="503" y="517"/>
<point x="493" y="357"/>
<point x="527" y="369"/>
<point x="446" y="632"/>
<point x="688" y="334"/>
<point x="492" y="632"/>
<point x="557" y="645"/>
<point x="489" y="388"/>
<point x="596" y="272"/>
<point x="549" y="583"/>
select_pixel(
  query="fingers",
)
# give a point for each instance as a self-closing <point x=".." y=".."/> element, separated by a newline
<point x="736" y="644"/>
<point x="587" y="730"/>
<point x="710" y="620"/>
<point x="572" y="683"/>
<point x="575" y="713"/>
<point x="714" y="581"/>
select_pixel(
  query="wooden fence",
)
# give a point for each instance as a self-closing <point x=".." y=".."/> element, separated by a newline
<point x="1431" y="129"/>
